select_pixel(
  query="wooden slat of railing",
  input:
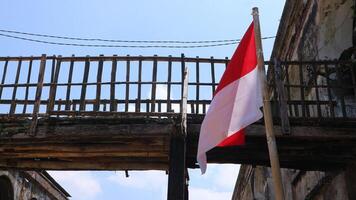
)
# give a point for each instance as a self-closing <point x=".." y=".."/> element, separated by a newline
<point x="154" y="85"/>
<point x="212" y="70"/>
<point x="169" y="85"/>
<point x="98" y="86"/>
<point x="29" y="72"/>
<point x="127" y="89"/>
<point x="13" y="102"/>
<point x="37" y="103"/>
<point x="204" y="108"/>
<point x="197" y="91"/>
<point x="353" y="78"/>
<point x="54" y="81"/>
<point x="139" y="80"/>
<point x="283" y="108"/>
<point x="182" y="78"/>
<point x="226" y="61"/>
<point x="70" y="77"/>
<point x="84" y="86"/>
<point x="330" y="98"/>
<point x="288" y="87"/>
<point x="113" y="105"/>
<point x="3" y="76"/>
<point x="302" y="95"/>
<point x="54" y="58"/>
<point x="191" y="108"/>
<point x="317" y="90"/>
<point x="341" y="88"/>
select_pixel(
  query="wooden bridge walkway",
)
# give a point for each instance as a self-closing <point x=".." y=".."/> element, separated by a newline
<point x="143" y="113"/>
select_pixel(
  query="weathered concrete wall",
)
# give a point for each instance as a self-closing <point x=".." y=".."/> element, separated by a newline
<point x="311" y="30"/>
<point x="25" y="188"/>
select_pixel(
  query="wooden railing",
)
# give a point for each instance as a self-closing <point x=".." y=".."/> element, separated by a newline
<point x="59" y="86"/>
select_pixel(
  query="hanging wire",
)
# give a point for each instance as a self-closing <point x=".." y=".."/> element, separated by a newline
<point x="173" y="43"/>
<point x="123" y="46"/>
<point x="124" y="41"/>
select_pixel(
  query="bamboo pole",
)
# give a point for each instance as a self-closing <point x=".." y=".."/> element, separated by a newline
<point x="271" y="140"/>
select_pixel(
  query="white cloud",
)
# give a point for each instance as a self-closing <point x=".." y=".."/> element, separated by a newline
<point x="152" y="180"/>
<point x="208" y="194"/>
<point x="81" y="185"/>
<point x="218" y="182"/>
<point x="226" y="176"/>
<point x="161" y="93"/>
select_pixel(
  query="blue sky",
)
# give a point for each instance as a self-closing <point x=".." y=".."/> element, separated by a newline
<point x="138" y="20"/>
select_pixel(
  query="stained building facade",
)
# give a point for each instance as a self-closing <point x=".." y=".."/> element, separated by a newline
<point x="30" y="185"/>
<point x="312" y="30"/>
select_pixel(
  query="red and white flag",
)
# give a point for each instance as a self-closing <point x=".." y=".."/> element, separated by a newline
<point x="236" y="102"/>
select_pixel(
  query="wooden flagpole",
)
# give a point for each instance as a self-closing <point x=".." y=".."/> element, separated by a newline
<point x="271" y="140"/>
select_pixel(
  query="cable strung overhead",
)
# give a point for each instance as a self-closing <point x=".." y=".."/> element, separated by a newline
<point x="172" y="43"/>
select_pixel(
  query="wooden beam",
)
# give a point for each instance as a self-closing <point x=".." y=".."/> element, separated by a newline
<point x="177" y="179"/>
<point x="177" y="168"/>
<point x="36" y="107"/>
<point x="81" y="165"/>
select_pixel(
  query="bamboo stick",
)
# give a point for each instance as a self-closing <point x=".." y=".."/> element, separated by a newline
<point x="271" y="140"/>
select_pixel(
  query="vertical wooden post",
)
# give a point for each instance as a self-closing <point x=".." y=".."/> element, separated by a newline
<point x="169" y="84"/>
<point x="70" y="76"/>
<point x="113" y="105"/>
<point x="54" y="82"/>
<point x="37" y="103"/>
<point x="27" y="85"/>
<point x="154" y="85"/>
<point x="271" y="141"/>
<point x="84" y="84"/>
<point x="13" y="99"/>
<point x="282" y="99"/>
<point x="139" y="85"/>
<point x="127" y="88"/>
<point x="98" y="84"/>
<point x="177" y="178"/>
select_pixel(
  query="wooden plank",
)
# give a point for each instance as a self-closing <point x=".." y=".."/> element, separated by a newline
<point x="341" y="88"/>
<point x="95" y="164"/>
<point x="184" y="101"/>
<point x="330" y="97"/>
<point x="70" y="77"/>
<point x="139" y="85"/>
<point x="317" y="90"/>
<point x="177" y="176"/>
<point x="84" y="86"/>
<point x="353" y="76"/>
<point x="3" y="76"/>
<point x="212" y="72"/>
<point x="27" y="87"/>
<point x="302" y="87"/>
<point x="226" y="61"/>
<point x="283" y="109"/>
<point x="53" y="67"/>
<point x="113" y="105"/>
<point x="154" y="85"/>
<point x="13" y="99"/>
<point x="98" y="86"/>
<point x="53" y="88"/>
<point x="177" y="167"/>
<point x="288" y="89"/>
<point x="169" y="85"/>
<point x="127" y="92"/>
<point x="36" y="107"/>
<point x="182" y="78"/>
<point x="197" y="87"/>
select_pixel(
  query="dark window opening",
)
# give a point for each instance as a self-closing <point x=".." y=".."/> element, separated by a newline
<point x="6" y="189"/>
